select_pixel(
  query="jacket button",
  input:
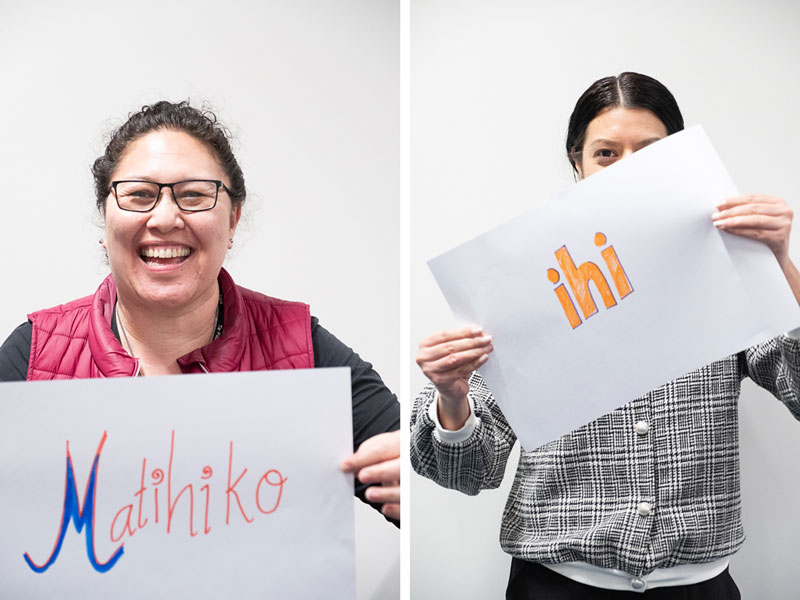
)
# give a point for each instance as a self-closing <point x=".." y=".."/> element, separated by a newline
<point x="641" y="427"/>
<point x="644" y="508"/>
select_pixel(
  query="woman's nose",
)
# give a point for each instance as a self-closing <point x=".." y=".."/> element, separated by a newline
<point x="166" y="214"/>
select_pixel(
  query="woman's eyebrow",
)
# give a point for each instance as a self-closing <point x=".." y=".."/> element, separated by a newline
<point x="603" y="142"/>
<point x="610" y="142"/>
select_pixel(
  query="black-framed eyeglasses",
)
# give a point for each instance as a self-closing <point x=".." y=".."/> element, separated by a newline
<point x="192" y="195"/>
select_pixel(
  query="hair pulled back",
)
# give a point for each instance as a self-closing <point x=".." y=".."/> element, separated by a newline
<point x="626" y="90"/>
<point x="200" y="124"/>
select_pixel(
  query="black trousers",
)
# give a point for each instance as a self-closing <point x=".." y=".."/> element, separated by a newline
<point x="532" y="581"/>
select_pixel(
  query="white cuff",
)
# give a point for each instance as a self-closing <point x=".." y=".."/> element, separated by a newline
<point x="794" y="334"/>
<point x="453" y="437"/>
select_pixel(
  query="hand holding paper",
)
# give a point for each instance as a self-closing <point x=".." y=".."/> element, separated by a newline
<point x="447" y="358"/>
<point x="766" y="219"/>
<point x="758" y="217"/>
<point x="377" y="461"/>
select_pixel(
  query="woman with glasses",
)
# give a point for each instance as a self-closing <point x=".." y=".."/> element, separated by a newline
<point x="171" y="193"/>
<point x="645" y="499"/>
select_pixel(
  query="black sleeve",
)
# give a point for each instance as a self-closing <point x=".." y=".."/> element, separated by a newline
<point x="15" y="354"/>
<point x="375" y="408"/>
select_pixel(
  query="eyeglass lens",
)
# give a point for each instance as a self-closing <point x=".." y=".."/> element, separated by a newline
<point x="189" y="195"/>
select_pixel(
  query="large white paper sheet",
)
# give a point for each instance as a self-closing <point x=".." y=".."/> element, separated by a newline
<point x="204" y="486"/>
<point x="680" y="294"/>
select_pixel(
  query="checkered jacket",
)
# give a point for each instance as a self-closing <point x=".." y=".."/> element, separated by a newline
<point x="579" y="497"/>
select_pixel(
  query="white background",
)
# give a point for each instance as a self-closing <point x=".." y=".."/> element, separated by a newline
<point x="493" y="85"/>
<point x="310" y="90"/>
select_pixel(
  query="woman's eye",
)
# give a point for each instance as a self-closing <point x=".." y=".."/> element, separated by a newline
<point x="605" y="156"/>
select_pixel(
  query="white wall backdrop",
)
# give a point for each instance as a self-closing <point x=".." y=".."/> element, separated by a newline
<point x="493" y="85"/>
<point x="310" y="89"/>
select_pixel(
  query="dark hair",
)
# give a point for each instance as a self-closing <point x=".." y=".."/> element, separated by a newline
<point x="626" y="90"/>
<point x="200" y="124"/>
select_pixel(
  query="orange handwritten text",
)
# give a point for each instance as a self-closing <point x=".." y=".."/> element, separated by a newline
<point x="178" y="508"/>
<point x="579" y="277"/>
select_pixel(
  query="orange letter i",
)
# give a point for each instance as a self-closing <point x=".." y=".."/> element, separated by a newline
<point x="564" y="299"/>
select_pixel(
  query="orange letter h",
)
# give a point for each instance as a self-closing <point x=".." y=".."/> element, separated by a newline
<point x="579" y="278"/>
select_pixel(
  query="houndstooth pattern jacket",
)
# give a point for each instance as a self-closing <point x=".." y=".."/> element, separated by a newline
<point x="653" y="484"/>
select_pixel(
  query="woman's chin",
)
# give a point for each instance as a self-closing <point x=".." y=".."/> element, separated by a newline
<point x="159" y="285"/>
<point x="158" y="296"/>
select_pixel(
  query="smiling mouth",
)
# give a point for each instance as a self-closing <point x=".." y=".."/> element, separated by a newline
<point x="164" y="255"/>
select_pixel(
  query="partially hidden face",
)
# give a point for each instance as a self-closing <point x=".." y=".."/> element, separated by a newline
<point x="616" y="133"/>
<point x="167" y="258"/>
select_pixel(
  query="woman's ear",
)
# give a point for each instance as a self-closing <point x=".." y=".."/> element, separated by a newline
<point x="236" y="214"/>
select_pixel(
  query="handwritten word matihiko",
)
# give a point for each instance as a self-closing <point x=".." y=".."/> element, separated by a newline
<point x="265" y="498"/>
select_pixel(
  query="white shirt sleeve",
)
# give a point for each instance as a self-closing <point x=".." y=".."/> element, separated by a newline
<point x="453" y="437"/>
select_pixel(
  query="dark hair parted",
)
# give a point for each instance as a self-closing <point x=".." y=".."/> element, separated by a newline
<point x="626" y="90"/>
<point x="200" y="124"/>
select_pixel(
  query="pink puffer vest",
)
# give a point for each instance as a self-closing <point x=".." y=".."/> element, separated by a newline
<point x="75" y="340"/>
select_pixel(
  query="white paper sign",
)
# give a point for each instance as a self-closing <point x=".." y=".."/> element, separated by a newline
<point x="667" y="293"/>
<point x="195" y="486"/>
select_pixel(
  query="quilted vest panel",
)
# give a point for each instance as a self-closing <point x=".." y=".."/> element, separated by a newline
<point x="75" y="340"/>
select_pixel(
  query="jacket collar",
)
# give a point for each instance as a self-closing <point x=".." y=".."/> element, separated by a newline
<point x="109" y="356"/>
<point x="221" y="355"/>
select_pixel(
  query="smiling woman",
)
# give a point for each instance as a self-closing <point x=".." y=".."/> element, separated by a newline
<point x="166" y="253"/>
<point x="171" y="193"/>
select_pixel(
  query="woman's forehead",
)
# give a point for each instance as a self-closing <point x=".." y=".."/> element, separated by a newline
<point x="621" y="123"/>
<point x="167" y="150"/>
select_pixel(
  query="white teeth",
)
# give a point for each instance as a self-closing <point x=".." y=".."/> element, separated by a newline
<point x="151" y="252"/>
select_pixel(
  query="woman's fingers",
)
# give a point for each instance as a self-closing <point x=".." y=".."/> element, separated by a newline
<point x="767" y="223"/>
<point x="392" y="511"/>
<point x="455" y="366"/>
<point x="452" y="347"/>
<point x="381" y="494"/>
<point x="750" y="199"/>
<point x="763" y="218"/>
<point x="439" y="360"/>
<point x="385" y="472"/>
<point x="448" y="358"/>
<point x="449" y="335"/>
<point x="450" y="374"/>
<point x="374" y="451"/>
<point x="377" y="462"/>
